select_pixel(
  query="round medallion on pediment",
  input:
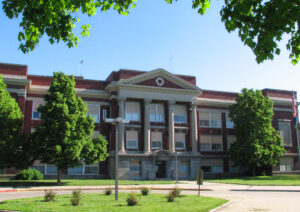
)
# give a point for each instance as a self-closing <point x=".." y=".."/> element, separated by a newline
<point x="160" y="81"/>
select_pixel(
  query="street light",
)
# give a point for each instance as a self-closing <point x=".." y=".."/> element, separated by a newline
<point x="115" y="121"/>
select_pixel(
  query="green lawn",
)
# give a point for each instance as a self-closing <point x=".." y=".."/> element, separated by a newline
<point x="101" y="202"/>
<point x="282" y="180"/>
<point x="79" y="182"/>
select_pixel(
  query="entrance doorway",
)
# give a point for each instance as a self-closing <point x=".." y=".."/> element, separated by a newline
<point x="160" y="169"/>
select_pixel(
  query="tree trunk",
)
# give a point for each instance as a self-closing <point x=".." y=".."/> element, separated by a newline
<point x="58" y="176"/>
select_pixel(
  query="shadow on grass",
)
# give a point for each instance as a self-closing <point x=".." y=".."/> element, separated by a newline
<point x="24" y="184"/>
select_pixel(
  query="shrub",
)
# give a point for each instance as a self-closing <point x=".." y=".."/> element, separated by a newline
<point x="132" y="199"/>
<point x="171" y="197"/>
<point x="176" y="192"/>
<point x="145" y="191"/>
<point x="108" y="191"/>
<point x="76" y="197"/>
<point x="49" y="196"/>
<point x="29" y="174"/>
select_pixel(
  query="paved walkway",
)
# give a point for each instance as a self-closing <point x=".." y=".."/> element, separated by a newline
<point x="242" y="198"/>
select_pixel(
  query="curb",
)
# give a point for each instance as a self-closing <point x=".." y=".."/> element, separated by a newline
<point x="79" y="188"/>
<point x="265" y="190"/>
<point x="221" y="206"/>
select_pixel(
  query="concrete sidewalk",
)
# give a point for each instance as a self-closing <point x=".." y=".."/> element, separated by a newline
<point x="185" y="185"/>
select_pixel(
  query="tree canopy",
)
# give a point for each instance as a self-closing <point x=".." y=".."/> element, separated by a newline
<point x="15" y="146"/>
<point x="261" y="24"/>
<point x="64" y="137"/>
<point x="257" y="144"/>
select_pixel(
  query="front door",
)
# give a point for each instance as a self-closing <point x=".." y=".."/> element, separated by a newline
<point x="160" y="169"/>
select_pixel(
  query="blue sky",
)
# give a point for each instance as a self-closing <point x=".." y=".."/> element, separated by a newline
<point x="147" y="38"/>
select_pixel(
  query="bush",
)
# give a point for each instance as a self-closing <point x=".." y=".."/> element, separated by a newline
<point x="29" y="174"/>
<point x="76" y="197"/>
<point x="171" y="197"/>
<point x="145" y="191"/>
<point x="176" y="192"/>
<point x="108" y="191"/>
<point x="132" y="199"/>
<point x="49" y="196"/>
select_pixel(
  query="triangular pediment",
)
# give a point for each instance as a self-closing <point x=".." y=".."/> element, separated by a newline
<point x="159" y="78"/>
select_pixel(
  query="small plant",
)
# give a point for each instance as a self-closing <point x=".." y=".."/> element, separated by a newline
<point x="145" y="191"/>
<point x="49" y="196"/>
<point x="132" y="199"/>
<point x="29" y="174"/>
<point x="171" y="197"/>
<point x="108" y="191"/>
<point x="176" y="192"/>
<point x="76" y="197"/>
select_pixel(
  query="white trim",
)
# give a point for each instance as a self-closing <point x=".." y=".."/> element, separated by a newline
<point x="19" y="92"/>
<point x="10" y="76"/>
<point x="283" y="109"/>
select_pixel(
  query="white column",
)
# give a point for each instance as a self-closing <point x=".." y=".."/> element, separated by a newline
<point x="147" y="131"/>
<point x="121" y="125"/>
<point x="171" y="127"/>
<point x="194" y="128"/>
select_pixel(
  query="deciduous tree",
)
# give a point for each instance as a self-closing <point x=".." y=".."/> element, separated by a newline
<point x="261" y="23"/>
<point x="64" y="137"/>
<point x="258" y="144"/>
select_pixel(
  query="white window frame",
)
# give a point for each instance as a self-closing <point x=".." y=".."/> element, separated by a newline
<point x="39" y="102"/>
<point x="210" y="119"/>
<point x="289" y="122"/>
<point x="175" y="141"/>
<point x="211" y="144"/>
<point x="186" y="118"/>
<point x="156" y="113"/>
<point x="155" y="148"/>
<point x="95" y="121"/>
<point x="137" y="140"/>
<point x="127" y="117"/>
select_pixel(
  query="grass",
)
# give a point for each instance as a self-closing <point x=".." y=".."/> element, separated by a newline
<point x="78" y="182"/>
<point x="282" y="180"/>
<point x="101" y="202"/>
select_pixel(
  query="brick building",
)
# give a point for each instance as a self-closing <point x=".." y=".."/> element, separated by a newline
<point x="170" y="117"/>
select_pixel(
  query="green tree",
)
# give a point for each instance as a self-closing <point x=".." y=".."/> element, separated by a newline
<point x="15" y="148"/>
<point x="258" y="144"/>
<point x="64" y="137"/>
<point x="261" y="23"/>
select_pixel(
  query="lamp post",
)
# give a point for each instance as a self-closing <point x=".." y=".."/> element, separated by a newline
<point x="115" y="121"/>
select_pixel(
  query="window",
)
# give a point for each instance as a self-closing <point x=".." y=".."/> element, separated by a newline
<point x="216" y="143"/>
<point x="180" y="114"/>
<point x="50" y="169"/>
<point x="1" y="171"/>
<point x="78" y="170"/>
<point x="94" y="111"/>
<point x="132" y="111"/>
<point x="211" y="143"/>
<point x="184" y="169"/>
<point x="35" y="113"/>
<point x="210" y="119"/>
<point x="157" y="112"/>
<point x="212" y="165"/>
<point x="284" y="128"/>
<point x="104" y="114"/>
<point x="287" y="164"/>
<point x="134" y="166"/>
<point x="229" y="122"/>
<point x="217" y="169"/>
<point x="131" y="139"/>
<point x="84" y="169"/>
<point x="96" y="134"/>
<point x="156" y="140"/>
<point x="92" y="169"/>
<point x="230" y="140"/>
<point x="179" y="140"/>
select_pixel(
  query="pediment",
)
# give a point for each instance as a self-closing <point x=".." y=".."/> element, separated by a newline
<point x="159" y="78"/>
